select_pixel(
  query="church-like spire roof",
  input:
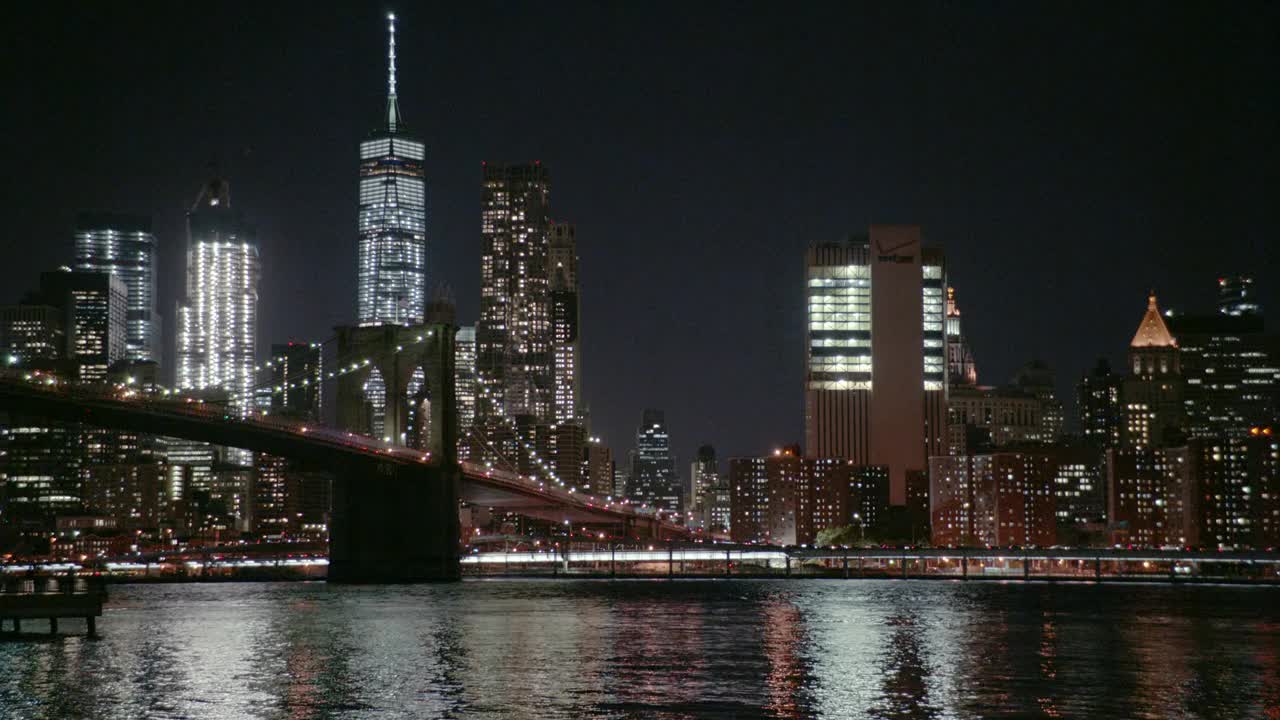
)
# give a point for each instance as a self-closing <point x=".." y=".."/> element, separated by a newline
<point x="393" y="107"/>
<point x="1152" y="332"/>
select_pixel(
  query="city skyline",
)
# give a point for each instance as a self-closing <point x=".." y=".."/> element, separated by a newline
<point x="1103" y="246"/>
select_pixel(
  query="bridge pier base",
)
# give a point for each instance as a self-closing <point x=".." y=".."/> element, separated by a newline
<point x="398" y="526"/>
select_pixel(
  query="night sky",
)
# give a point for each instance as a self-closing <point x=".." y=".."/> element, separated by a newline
<point x="1067" y="157"/>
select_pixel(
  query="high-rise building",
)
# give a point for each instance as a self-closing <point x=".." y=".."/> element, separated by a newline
<point x="1151" y="395"/>
<point x="94" y="306"/>
<point x="297" y="379"/>
<point x="1099" y="405"/>
<point x="600" y="467"/>
<point x="391" y="282"/>
<point x="1037" y="380"/>
<point x="218" y="319"/>
<point x="961" y="369"/>
<point x="981" y="417"/>
<point x="1231" y="373"/>
<point x="653" y="472"/>
<point x="876" y="375"/>
<point x="31" y="332"/>
<point x="124" y="246"/>
<point x="703" y="473"/>
<point x="514" y="363"/>
<point x="995" y="500"/>
<point x="464" y="378"/>
<point x="563" y="267"/>
<point x="1237" y="296"/>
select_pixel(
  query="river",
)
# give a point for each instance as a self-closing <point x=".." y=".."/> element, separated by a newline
<point x="658" y="649"/>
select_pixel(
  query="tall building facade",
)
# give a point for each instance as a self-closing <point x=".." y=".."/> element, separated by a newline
<point x="876" y="366"/>
<point x="786" y="499"/>
<point x="704" y="473"/>
<point x="1152" y="394"/>
<point x="1098" y="402"/>
<point x="514" y="360"/>
<point x="297" y="380"/>
<point x="94" y="307"/>
<point x="653" y="470"/>
<point x="565" y="326"/>
<point x="993" y="500"/>
<point x="464" y="378"/>
<point x="218" y="319"/>
<point x="31" y="332"/>
<point x="961" y="369"/>
<point x="392" y="217"/>
<point x="124" y="246"/>
<point x="1231" y="373"/>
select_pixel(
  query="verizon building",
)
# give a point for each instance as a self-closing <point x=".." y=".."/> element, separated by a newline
<point x="875" y="350"/>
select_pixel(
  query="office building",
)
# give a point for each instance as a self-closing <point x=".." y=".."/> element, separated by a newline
<point x="1231" y="372"/>
<point x="391" y="280"/>
<point x="297" y="374"/>
<point x="600" y="468"/>
<point x="31" y="332"/>
<point x="94" y="307"/>
<point x="563" y="285"/>
<point x="464" y="378"/>
<point x="876" y="366"/>
<point x="1037" y="380"/>
<point x="1151" y="395"/>
<point x="981" y="418"/>
<point x="653" y="478"/>
<point x="703" y="473"/>
<point x="961" y="368"/>
<point x="218" y="319"/>
<point x="124" y="246"/>
<point x="1099" y="405"/>
<point x="514" y="362"/>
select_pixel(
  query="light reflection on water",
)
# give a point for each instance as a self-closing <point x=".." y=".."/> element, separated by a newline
<point x="658" y="649"/>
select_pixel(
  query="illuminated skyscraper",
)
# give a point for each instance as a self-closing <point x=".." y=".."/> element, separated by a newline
<point x="563" y="262"/>
<point x="392" y="217"/>
<point x="876" y="365"/>
<point x="218" y="320"/>
<point x="123" y="245"/>
<point x="513" y="335"/>
<point x="94" y="311"/>
<point x="653" y="472"/>
<point x="1152" y="394"/>
<point x="464" y="377"/>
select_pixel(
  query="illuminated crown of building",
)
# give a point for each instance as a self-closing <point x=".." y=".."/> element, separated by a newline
<point x="1152" y="332"/>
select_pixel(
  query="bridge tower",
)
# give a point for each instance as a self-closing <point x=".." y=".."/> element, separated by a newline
<point x="399" y="523"/>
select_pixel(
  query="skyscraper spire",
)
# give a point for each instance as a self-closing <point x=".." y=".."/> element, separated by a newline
<point x="393" y="107"/>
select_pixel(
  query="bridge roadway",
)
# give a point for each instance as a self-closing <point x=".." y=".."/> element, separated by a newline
<point x="350" y="456"/>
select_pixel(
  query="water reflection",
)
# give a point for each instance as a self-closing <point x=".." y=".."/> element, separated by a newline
<point x="656" y="649"/>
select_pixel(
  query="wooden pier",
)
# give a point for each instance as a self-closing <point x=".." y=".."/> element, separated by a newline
<point x="49" y="598"/>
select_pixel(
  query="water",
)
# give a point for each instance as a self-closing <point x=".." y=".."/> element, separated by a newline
<point x="659" y="649"/>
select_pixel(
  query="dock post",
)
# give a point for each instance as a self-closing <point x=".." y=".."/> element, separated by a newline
<point x="53" y="626"/>
<point x="17" y="626"/>
<point x="904" y="566"/>
<point x="671" y="561"/>
<point x="93" y="625"/>
<point x="846" y="564"/>
<point x="1026" y="567"/>
<point x="964" y="564"/>
<point x="613" y="558"/>
<point x="861" y="571"/>
<point x="788" y="557"/>
<point x="1097" y="569"/>
<point x="728" y="564"/>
